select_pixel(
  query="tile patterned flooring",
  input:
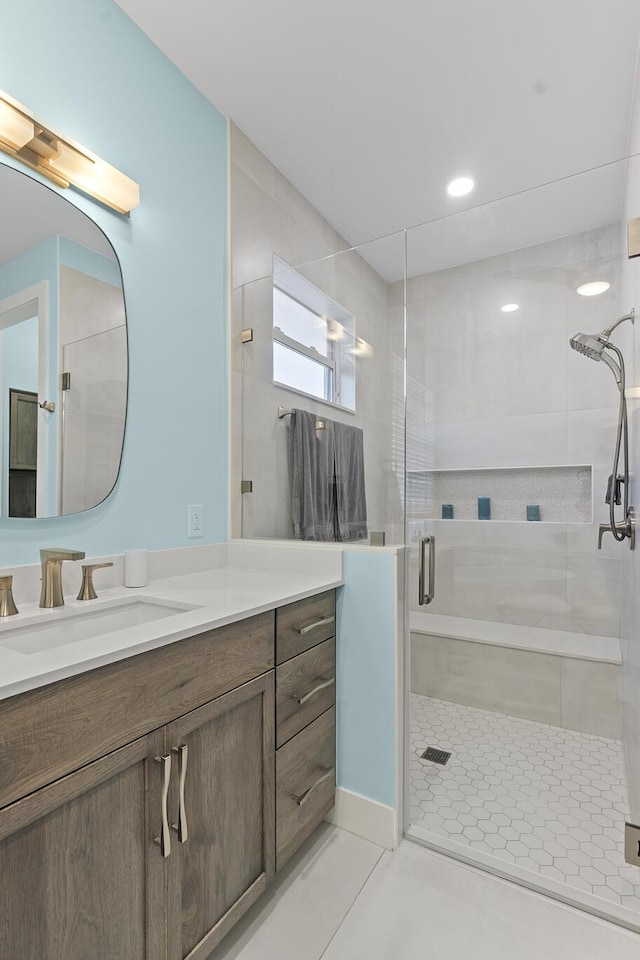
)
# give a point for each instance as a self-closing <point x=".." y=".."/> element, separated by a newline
<point x="548" y="800"/>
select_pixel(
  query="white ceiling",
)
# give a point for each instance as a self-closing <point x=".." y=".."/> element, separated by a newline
<point x="370" y="106"/>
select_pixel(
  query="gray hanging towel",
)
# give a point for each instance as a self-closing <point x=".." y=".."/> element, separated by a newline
<point x="350" y="492"/>
<point x="311" y="477"/>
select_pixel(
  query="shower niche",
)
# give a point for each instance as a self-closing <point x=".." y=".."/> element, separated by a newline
<point x="552" y="494"/>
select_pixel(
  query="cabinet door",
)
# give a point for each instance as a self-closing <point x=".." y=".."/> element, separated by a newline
<point x="227" y="857"/>
<point x="80" y="875"/>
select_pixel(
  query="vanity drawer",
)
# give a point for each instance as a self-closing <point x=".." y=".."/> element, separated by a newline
<point x="305" y="784"/>
<point x="305" y="688"/>
<point x="304" y="624"/>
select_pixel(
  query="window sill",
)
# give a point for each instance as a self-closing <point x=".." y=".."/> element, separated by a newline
<point x="311" y="396"/>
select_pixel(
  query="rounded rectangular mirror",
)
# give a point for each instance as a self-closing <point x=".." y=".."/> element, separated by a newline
<point x="63" y="354"/>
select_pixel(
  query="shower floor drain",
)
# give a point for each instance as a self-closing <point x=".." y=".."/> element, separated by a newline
<point x="436" y="756"/>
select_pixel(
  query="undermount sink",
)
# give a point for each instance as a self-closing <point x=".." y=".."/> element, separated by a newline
<point x="71" y="625"/>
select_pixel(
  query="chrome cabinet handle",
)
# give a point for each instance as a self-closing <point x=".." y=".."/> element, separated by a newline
<point x="303" y="797"/>
<point x="181" y="827"/>
<point x="164" y="840"/>
<point x="423" y="596"/>
<point x="312" y="693"/>
<point x="316" y="623"/>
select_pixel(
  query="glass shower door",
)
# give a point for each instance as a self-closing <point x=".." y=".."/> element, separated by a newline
<point x="515" y="758"/>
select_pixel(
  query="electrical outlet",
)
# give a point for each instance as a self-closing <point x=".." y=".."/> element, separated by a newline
<point x="196" y="520"/>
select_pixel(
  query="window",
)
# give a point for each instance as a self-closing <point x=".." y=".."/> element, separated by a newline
<point x="310" y="333"/>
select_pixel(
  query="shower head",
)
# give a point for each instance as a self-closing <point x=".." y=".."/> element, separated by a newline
<point x="593" y="345"/>
<point x="588" y="344"/>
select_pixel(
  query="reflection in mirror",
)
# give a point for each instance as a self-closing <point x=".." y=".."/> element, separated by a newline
<point x="63" y="354"/>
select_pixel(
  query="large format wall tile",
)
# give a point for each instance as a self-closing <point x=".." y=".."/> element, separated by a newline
<point x="591" y="697"/>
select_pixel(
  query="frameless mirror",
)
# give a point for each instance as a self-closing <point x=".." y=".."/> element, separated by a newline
<point x="63" y="354"/>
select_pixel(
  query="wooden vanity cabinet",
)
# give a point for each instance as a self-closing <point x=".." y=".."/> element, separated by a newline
<point x="80" y="875"/>
<point x="138" y="801"/>
<point x="82" y="872"/>
<point x="305" y="719"/>
<point x="228" y="857"/>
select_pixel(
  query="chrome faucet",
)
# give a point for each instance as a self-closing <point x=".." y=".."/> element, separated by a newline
<point x="52" y="559"/>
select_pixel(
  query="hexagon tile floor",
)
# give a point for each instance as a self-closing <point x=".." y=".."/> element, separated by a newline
<point x="543" y="798"/>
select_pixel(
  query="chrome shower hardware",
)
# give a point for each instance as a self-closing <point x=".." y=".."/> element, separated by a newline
<point x="594" y="346"/>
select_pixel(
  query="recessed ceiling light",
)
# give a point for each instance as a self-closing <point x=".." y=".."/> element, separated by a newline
<point x="510" y="307"/>
<point x="593" y="289"/>
<point x="461" y="186"/>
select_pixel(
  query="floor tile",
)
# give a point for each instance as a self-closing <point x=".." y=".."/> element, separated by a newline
<point x="418" y="906"/>
<point x="557" y="798"/>
<point x="297" y="917"/>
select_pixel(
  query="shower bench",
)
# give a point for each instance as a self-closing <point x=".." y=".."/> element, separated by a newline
<point x="566" y="679"/>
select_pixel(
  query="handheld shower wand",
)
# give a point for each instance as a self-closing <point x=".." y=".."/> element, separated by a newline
<point x="594" y="346"/>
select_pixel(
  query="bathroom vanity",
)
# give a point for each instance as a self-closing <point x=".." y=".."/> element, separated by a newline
<point x="145" y="804"/>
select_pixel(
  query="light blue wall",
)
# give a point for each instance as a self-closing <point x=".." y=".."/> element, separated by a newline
<point x="84" y="68"/>
<point x="89" y="262"/>
<point x="366" y="672"/>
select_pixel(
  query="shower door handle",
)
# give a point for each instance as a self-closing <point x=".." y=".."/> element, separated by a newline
<point x="426" y="596"/>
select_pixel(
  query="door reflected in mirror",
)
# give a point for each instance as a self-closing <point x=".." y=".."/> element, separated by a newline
<point x="63" y="354"/>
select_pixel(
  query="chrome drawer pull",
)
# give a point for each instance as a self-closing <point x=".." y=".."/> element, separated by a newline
<point x="316" y="623"/>
<point x="181" y="827"/>
<point x="164" y="840"/>
<point x="321" y="686"/>
<point x="303" y="797"/>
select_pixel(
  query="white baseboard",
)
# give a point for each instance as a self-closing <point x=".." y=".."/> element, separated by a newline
<point x="366" y="818"/>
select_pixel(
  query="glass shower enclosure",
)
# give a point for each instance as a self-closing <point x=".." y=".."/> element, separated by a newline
<point x="517" y="719"/>
<point x="488" y="444"/>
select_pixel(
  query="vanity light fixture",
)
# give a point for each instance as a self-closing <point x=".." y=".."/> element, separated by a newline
<point x="510" y="307"/>
<point x="461" y="186"/>
<point x="62" y="160"/>
<point x="593" y="289"/>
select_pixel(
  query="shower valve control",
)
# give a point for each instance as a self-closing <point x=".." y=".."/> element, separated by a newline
<point x="625" y="527"/>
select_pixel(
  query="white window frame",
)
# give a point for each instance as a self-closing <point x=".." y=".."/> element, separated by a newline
<point x="331" y="362"/>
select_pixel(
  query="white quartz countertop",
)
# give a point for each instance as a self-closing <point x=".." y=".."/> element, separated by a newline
<point x="216" y="597"/>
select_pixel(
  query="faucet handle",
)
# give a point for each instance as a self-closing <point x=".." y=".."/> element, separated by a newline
<point x="87" y="590"/>
<point x="7" y="603"/>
